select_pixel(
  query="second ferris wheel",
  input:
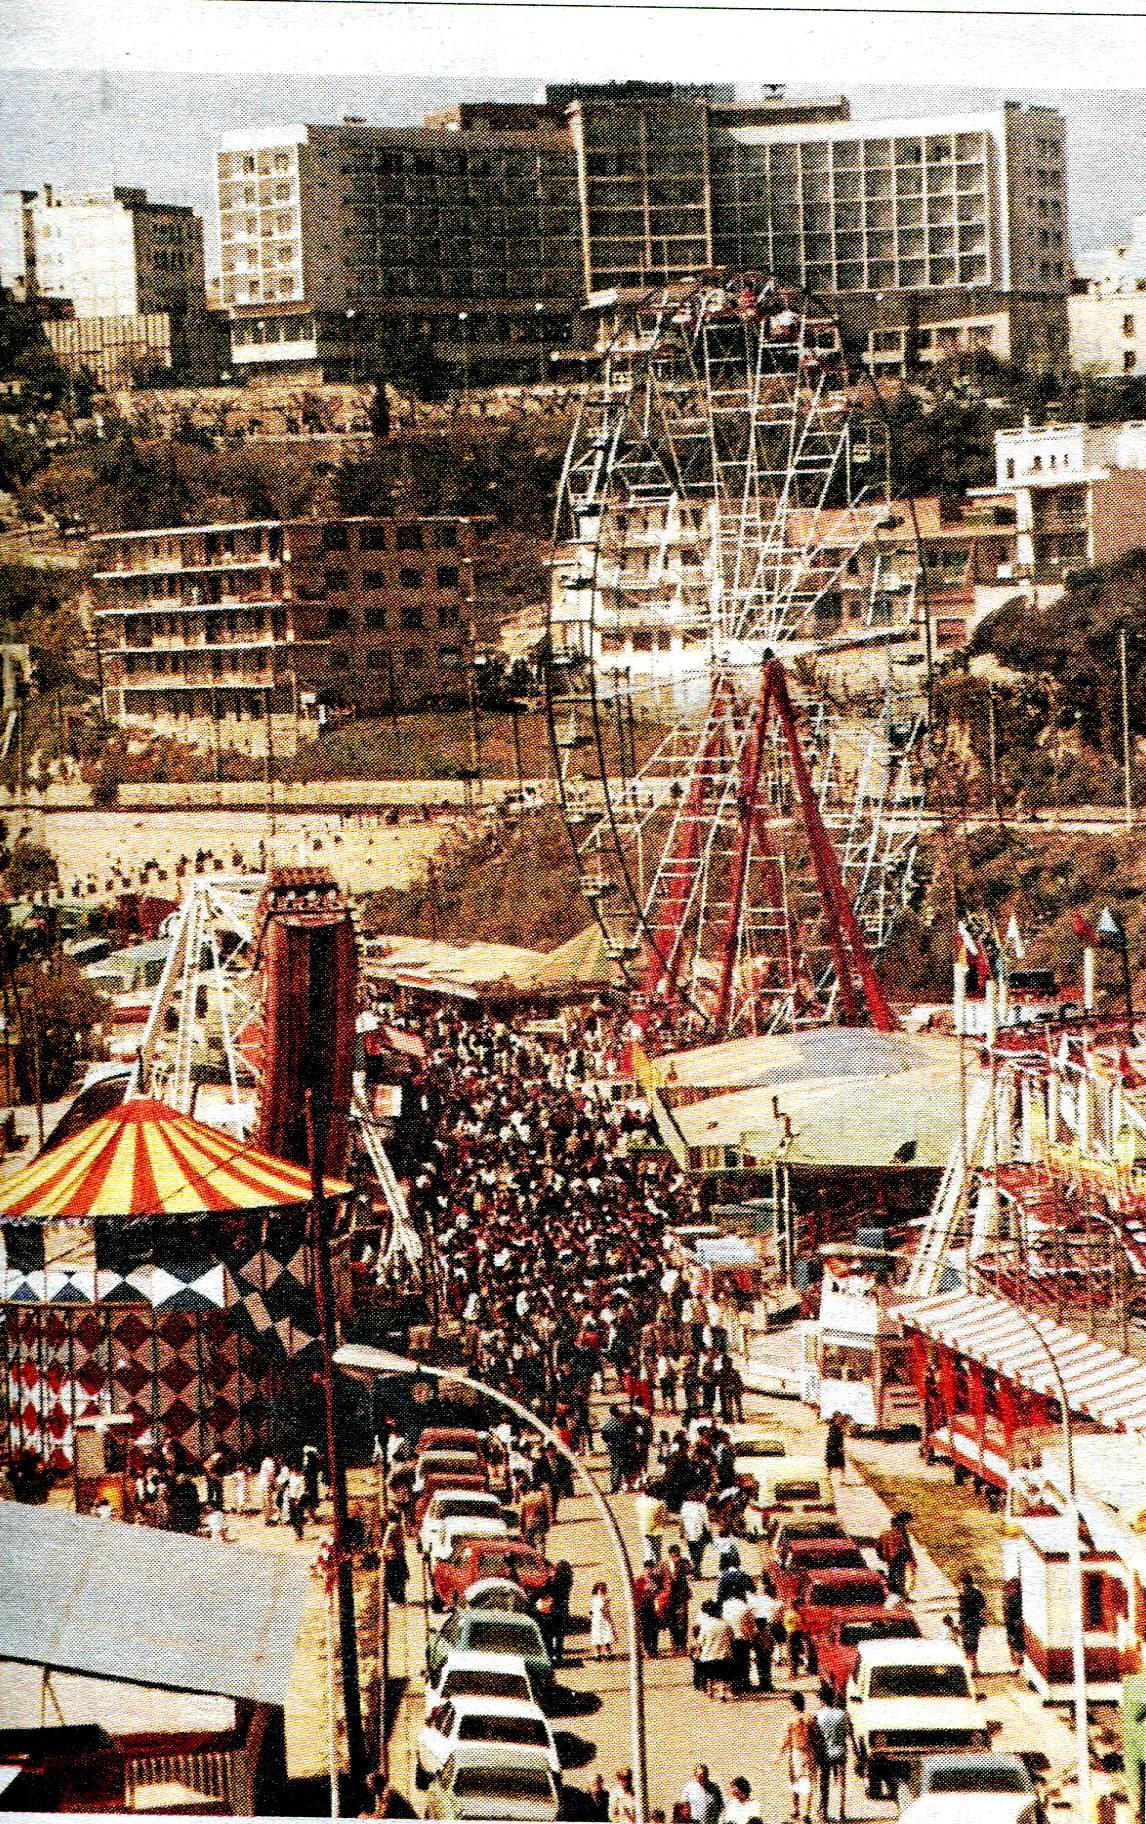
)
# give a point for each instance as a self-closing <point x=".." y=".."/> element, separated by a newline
<point x="737" y="662"/>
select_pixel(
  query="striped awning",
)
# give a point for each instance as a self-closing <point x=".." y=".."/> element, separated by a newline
<point x="1100" y="1382"/>
<point x="144" y="1159"/>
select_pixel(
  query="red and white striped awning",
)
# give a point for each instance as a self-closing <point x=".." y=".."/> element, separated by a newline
<point x="1100" y="1382"/>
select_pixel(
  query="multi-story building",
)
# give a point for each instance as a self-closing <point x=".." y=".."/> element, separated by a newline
<point x="241" y="634"/>
<point x="108" y="253"/>
<point x="1077" y="493"/>
<point x="1108" y="332"/>
<point x="120" y="280"/>
<point x="335" y="238"/>
<point x="485" y="231"/>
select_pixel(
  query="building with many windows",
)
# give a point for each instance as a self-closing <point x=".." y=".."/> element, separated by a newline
<point x="1077" y="493"/>
<point x="243" y="634"/>
<point x="483" y="233"/>
<point x="107" y="253"/>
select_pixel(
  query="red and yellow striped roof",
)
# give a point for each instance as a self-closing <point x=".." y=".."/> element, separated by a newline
<point x="144" y="1159"/>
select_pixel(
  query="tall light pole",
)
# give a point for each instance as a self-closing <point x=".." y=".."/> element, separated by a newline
<point x="464" y="320"/>
<point x="1127" y="773"/>
<point x="365" y="1364"/>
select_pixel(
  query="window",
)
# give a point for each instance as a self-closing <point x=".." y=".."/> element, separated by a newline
<point x="339" y="661"/>
<point x="446" y="537"/>
<point x="337" y="620"/>
<point x="377" y="659"/>
<point x="413" y="657"/>
<point x="411" y="579"/>
<point x="374" y="579"/>
<point x="336" y="578"/>
<point x="409" y="538"/>
<point x="372" y="538"/>
<point x="448" y="614"/>
<point x="450" y="658"/>
<point x="1129" y="361"/>
<point x="334" y="538"/>
<point x="1010" y="468"/>
<point x="374" y="617"/>
<point x="411" y="614"/>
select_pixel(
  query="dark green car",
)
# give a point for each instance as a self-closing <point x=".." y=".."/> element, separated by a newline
<point x="492" y="1631"/>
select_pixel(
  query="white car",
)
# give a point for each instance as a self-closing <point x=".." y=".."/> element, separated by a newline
<point x="997" y="1788"/>
<point x="504" y="1721"/>
<point x="496" y="1783"/>
<point x="453" y="1504"/>
<point x="454" y="1534"/>
<point x="469" y="1674"/>
<point x="907" y="1699"/>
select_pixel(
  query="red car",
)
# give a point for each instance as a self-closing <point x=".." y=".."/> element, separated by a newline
<point x="791" y="1568"/>
<point x="836" y="1650"/>
<point x="825" y="1596"/>
<point x="511" y="1558"/>
<point x="447" y="1437"/>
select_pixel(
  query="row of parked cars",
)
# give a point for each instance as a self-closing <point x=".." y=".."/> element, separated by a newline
<point x="918" y="1726"/>
<point x="486" y="1749"/>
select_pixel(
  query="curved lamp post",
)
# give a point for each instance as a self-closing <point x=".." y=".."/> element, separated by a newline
<point x="365" y="1364"/>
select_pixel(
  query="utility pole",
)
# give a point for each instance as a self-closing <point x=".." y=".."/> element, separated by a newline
<point x="1127" y="773"/>
<point x="324" y="1298"/>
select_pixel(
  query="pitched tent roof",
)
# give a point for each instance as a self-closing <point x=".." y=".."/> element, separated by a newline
<point x="145" y="1607"/>
<point x="144" y="1159"/>
<point x="1101" y="1382"/>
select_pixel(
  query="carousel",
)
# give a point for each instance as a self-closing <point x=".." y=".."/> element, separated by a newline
<point x="155" y="1270"/>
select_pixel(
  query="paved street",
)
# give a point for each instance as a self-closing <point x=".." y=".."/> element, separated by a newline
<point x="684" y="1727"/>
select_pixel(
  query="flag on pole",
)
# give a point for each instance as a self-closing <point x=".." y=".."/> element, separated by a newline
<point x="1083" y="929"/>
<point x="1014" y="938"/>
<point x="1109" y="929"/>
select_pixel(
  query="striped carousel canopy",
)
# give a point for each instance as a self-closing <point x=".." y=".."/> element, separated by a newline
<point x="144" y="1159"/>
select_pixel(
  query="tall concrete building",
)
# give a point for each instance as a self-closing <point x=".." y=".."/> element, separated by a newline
<point x="487" y="230"/>
<point x="107" y="253"/>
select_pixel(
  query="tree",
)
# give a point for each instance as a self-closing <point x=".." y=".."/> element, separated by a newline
<point x="31" y="868"/>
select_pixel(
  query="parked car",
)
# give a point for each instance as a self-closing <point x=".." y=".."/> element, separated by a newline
<point x="454" y="1504"/>
<point x="1000" y="1785"/>
<point x="802" y="1558"/>
<point x="906" y="1699"/>
<point x="503" y="1721"/>
<point x="452" y="1437"/>
<point x="449" y="1463"/>
<point x="837" y="1647"/>
<point x="786" y="1484"/>
<point x="497" y="1593"/>
<point x="481" y="1782"/>
<point x="457" y="1533"/>
<point x="784" y="1524"/>
<point x="825" y="1595"/>
<point x="483" y="1558"/>
<point x="492" y="1631"/>
<point x="468" y="1674"/>
<point x="477" y="1483"/>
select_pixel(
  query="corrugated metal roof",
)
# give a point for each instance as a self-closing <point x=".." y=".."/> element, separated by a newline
<point x="147" y="1607"/>
<point x="1101" y="1382"/>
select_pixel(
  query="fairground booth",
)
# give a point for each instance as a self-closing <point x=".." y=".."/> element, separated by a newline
<point x="154" y="1270"/>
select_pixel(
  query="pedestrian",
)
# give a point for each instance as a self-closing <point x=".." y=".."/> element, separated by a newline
<point x="703" y="1797"/>
<point x="396" y="1564"/>
<point x="898" y="1554"/>
<point x="268" y="1482"/>
<point x="738" y="1615"/>
<point x="831" y="1726"/>
<point x="797" y="1757"/>
<point x="835" y="1451"/>
<point x="712" y="1652"/>
<point x="645" y="1594"/>
<point x="599" y="1800"/>
<point x="678" y="1591"/>
<point x="296" y="1501"/>
<point x="614" y="1436"/>
<point x="623" y="1799"/>
<point x="602" y="1637"/>
<point x="1013" y="1621"/>
<point x="765" y="1606"/>
<point x="740" y="1807"/>
<point x="694" y="1526"/>
<point x="972" y="1615"/>
<point x="652" y="1519"/>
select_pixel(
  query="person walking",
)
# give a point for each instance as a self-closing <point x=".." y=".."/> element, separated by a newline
<point x="623" y="1799"/>
<point x="652" y="1519"/>
<point x="831" y="1726"/>
<point x="703" y="1797"/>
<point x="694" y="1526"/>
<point x="972" y="1615"/>
<point x="677" y="1592"/>
<point x="602" y="1636"/>
<point x="765" y="1606"/>
<point x="898" y="1554"/>
<point x="395" y="1563"/>
<point x="835" y="1451"/>
<point x="1013" y="1621"/>
<point x="797" y="1757"/>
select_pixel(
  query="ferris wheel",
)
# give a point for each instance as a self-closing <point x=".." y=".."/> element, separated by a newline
<point x="737" y="661"/>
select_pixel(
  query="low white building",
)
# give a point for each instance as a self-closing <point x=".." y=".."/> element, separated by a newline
<point x="1077" y="491"/>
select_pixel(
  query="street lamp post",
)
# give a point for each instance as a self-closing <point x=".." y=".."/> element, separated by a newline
<point x="365" y="1363"/>
<point x="464" y="320"/>
<point x="1074" y="1562"/>
<point x="537" y="312"/>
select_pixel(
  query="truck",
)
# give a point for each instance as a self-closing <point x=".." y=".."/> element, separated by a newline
<point x="907" y="1699"/>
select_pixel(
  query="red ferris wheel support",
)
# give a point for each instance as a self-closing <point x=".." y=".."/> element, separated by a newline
<point x="859" y="991"/>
